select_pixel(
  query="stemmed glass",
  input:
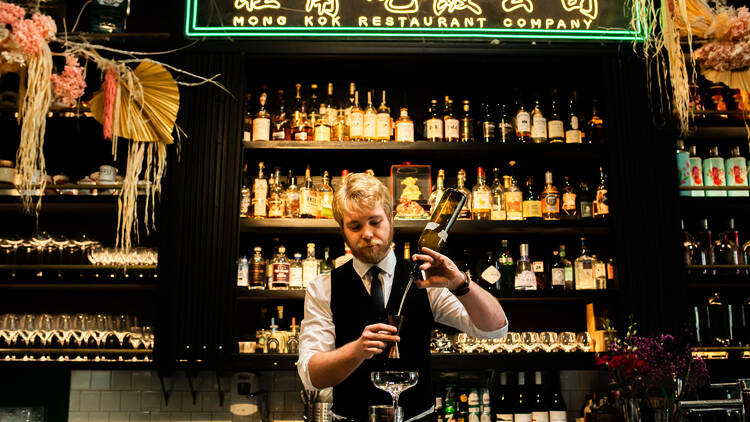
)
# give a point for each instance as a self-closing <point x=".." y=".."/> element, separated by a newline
<point x="584" y="341"/>
<point x="548" y="341"/>
<point x="80" y="331"/>
<point x="45" y="331"/>
<point x="511" y="342"/>
<point x="64" y="331"/>
<point x="568" y="341"/>
<point x="148" y="337"/>
<point x="136" y="339"/>
<point x="394" y="382"/>
<point x="9" y="329"/>
<point x="97" y="329"/>
<point x="529" y="341"/>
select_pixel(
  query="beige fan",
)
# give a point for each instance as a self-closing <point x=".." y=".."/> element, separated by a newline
<point x="148" y="113"/>
<point x="734" y="80"/>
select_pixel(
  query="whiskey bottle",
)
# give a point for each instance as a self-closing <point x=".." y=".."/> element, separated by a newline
<point x="370" y="119"/>
<point x="466" y="210"/>
<point x="481" y="196"/>
<point x="572" y="129"/>
<point x="282" y="126"/>
<point x="295" y="272"/>
<point x="383" y="122"/>
<point x="557" y="272"/>
<point x="513" y="196"/>
<point x="498" y="198"/>
<point x="262" y="121"/>
<point x="538" y="124"/>
<point x="434" y="124"/>
<point x="568" y="266"/>
<point x="356" y="120"/>
<point x="325" y="198"/>
<point x="451" y="124"/>
<point x="584" y="269"/>
<point x="257" y="270"/>
<point x="488" y="124"/>
<point x="322" y="127"/>
<point x="276" y="196"/>
<point x="438" y="192"/>
<point x="245" y="194"/>
<point x="507" y="268"/>
<point x="331" y="109"/>
<point x="467" y="124"/>
<point x="247" y="124"/>
<point x="292" y="198"/>
<point x="550" y="199"/>
<point x="404" y="127"/>
<point x="280" y="267"/>
<point x="301" y="129"/>
<point x="326" y="266"/>
<point x="340" y="131"/>
<point x="522" y="121"/>
<point x="525" y="278"/>
<point x="310" y="266"/>
<point x="260" y="194"/>
<point x="436" y="230"/>
<point x="585" y="203"/>
<point x="504" y="129"/>
<point x="555" y="126"/>
<point x="569" y="210"/>
<point x="532" y="205"/>
<point x="539" y="273"/>
<point x="348" y="108"/>
<point x="308" y="204"/>
<point x="595" y="133"/>
<point x="314" y="112"/>
<point x="601" y="204"/>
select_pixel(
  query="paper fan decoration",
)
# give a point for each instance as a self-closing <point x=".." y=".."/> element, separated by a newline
<point x="148" y="105"/>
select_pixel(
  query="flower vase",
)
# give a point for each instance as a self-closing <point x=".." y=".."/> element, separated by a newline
<point x="631" y="410"/>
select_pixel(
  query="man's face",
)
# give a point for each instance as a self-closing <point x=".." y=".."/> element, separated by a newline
<point x="368" y="232"/>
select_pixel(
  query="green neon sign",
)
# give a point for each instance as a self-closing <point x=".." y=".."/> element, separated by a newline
<point x="383" y="19"/>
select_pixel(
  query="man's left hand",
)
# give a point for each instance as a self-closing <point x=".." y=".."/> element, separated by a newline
<point x="439" y="270"/>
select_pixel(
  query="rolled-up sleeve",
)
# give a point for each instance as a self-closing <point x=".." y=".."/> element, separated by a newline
<point x="448" y="310"/>
<point x="317" y="332"/>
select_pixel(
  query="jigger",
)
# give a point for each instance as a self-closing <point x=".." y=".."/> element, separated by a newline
<point x="396" y="321"/>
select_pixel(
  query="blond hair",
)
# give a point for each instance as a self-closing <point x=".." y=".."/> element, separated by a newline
<point x="360" y="190"/>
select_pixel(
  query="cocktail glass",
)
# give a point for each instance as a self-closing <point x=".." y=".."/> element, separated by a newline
<point x="394" y="382"/>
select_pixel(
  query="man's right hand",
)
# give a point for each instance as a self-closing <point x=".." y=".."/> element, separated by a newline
<point x="374" y="339"/>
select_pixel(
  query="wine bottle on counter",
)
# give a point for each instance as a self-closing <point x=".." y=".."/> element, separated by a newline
<point x="558" y="412"/>
<point x="504" y="403"/>
<point x="539" y="410"/>
<point x="522" y="410"/>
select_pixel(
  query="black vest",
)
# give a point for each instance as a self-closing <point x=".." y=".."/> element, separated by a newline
<point x="352" y="310"/>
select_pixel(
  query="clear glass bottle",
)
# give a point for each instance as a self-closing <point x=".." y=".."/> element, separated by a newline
<point x="331" y="109"/>
<point x="489" y="275"/>
<point x="348" y="107"/>
<point x="601" y="203"/>
<point x="467" y="124"/>
<point x="356" y="121"/>
<point x="569" y="209"/>
<point x="282" y="126"/>
<point x="513" y="197"/>
<point x="522" y="121"/>
<point x="550" y="199"/>
<point x="466" y="210"/>
<point x="370" y="120"/>
<point x="438" y="192"/>
<point x="383" y="122"/>
<point x="322" y="125"/>
<point x="525" y="278"/>
<point x="280" y="270"/>
<point x="572" y="129"/>
<point x="725" y="251"/>
<point x="245" y="193"/>
<point x="262" y="121"/>
<point x="488" y="124"/>
<point x="532" y="205"/>
<point x="260" y="194"/>
<point x="450" y="122"/>
<point x="557" y="272"/>
<point x="276" y="196"/>
<point x="339" y="130"/>
<point x="247" y="123"/>
<point x="600" y="273"/>
<point x="243" y="272"/>
<point x="555" y="125"/>
<point x="433" y="126"/>
<point x="325" y="198"/>
<point x="504" y="130"/>
<point x="308" y="204"/>
<point x="295" y="272"/>
<point x="301" y="128"/>
<point x="584" y="269"/>
<point x="258" y="270"/>
<point x="585" y="202"/>
<point x="538" y="123"/>
<point x="568" y="267"/>
<point x="326" y="266"/>
<point x="292" y="198"/>
<point x="404" y="127"/>
<point x="481" y="196"/>
<point x="310" y="266"/>
<point x="498" y="198"/>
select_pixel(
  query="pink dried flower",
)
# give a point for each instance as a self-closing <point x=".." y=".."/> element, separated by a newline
<point x="27" y="34"/>
<point x="110" y="94"/>
<point x="740" y="26"/>
<point x="10" y="13"/>
<point x="69" y="85"/>
<point x="725" y="55"/>
<point x="45" y="25"/>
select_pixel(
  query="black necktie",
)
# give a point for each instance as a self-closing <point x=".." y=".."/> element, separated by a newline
<point x="376" y="289"/>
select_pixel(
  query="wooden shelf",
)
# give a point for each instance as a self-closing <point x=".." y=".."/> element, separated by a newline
<point x="718" y="133"/>
<point x="327" y="226"/>
<point x="104" y="287"/>
<point x="246" y="294"/>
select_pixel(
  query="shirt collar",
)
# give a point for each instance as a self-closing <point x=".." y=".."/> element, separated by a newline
<point x="387" y="264"/>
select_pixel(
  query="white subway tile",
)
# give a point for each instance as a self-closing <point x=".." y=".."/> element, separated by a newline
<point x="177" y="382"/>
<point x="159" y="417"/>
<point x="80" y="380"/>
<point x="175" y="402"/>
<point x="78" y="417"/>
<point x="141" y="380"/>
<point x="130" y="400"/>
<point x="151" y="400"/>
<point x="156" y="382"/>
<point x="292" y="402"/>
<point x="286" y="381"/>
<point x="211" y="401"/>
<point x="120" y="380"/>
<point x="179" y="417"/>
<point x="140" y="417"/>
<point x="276" y="401"/>
<point x="221" y="417"/>
<point x="119" y="417"/>
<point x="98" y="417"/>
<point x="201" y="417"/>
<point x="74" y="401"/>
<point x="187" y="402"/>
<point x="110" y="400"/>
<point x="208" y="381"/>
<point x="100" y="380"/>
<point x="90" y="400"/>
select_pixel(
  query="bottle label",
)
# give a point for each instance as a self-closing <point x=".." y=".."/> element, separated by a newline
<point x="523" y="122"/>
<point x="696" y="171"/>
<point x="275" y="207"/>
<point x="488" y="130"/>
<point x="599" y="270"/>
<point x="243" y="274"/>
<point x="585" y="276"/>
<point x="522" y="417"/>
<point x="513" y="205"/>
<point x="244" y="202"/>
<point x="601" y="207"/>
<point x="568" y="273"/>
<point x="503" y="417"/>
<point x="498" y="212"/>
<point x="713" y="172"/>
<point x="586" y="210"/>
<point x="736" y="174"/>
<point x="574" y="124"/>
<point x="526" y="280"/>
<point x="451" y="128"/>
<point x="539" y="127"/>
<point x="556" y="129"/>
<point x="295" y="276"/>
<point x="404" y="132"/>
<point x="260" y="190"/>
<point x="309" y="271"/>
<point x="383" y="126"/>
<point x="261" y="129"/>
<point x="278" y="135"/>
<point x="369" y="125"/>
<point x="540" y="417"/>
<point x="322" y="133"/>
<point x="532" y="209"/>
<point x="610" y="271"/>
<point x="537" y="266"/>
<point x="491" y="275"/>
<point x="558" y="416"/>
<point x="481" y="201"/>
<point x="332" y="115"/>
<point x="573" y="136"/>
<point x="356" y="123"/>
<point x="281" y="273"/>
<point x="569" y="201"/>
<point x="258" y="274"/>
<point x="246" y="136"/>
<point x="308" y="205"/>
<point x="505" y="129"/>
<point x="300" y="136"/>
<point x="326" y="205"/>
<point x="434" y="129"/>
<point x="552" y="203"/>
<point x="558" y="277"/>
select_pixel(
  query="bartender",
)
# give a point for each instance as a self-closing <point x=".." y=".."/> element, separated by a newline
<point x="343" y="334"/>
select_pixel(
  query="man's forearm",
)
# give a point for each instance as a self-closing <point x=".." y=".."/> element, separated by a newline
<point x="327" y="369"/>
<point x="483" y="309"/>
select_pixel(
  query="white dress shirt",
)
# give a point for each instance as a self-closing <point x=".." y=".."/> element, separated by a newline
<point x="319" y="335"/>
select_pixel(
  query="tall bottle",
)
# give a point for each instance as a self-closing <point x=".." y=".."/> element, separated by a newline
<point x="557" y="272"/>
<point x="404" y="127"/>
<point x="595" y="126"/>
<point x="353" y="99"/>
<point x="245" y="193"/>
<point x="481" y="196"/>
<point x="558" y="412"/>
<point x="247" y="123"/>
<point x="683" y="167"/>
<point x="437" y="229"/>
<point x="331" y="109"/>
<point x="370" y="119"/>
<point x="522" y="412"/>
<point x="522" y="121"/>
<point x="326" y="266"/>
<point x="260" y="193"/>
<point x="433" y="125"/>
<point x="467" y="124"/>
<point x="282" y="126"/>
<point x="295" y="272"/>
<point x="569" y="207"/>
<point x="356" y="120"/>
<point x="585" y="202"/>
<point x="572" y="128"/>
<point x="601" y="204"/>
<point x="292" y="198"/>
<point x="713" y="172"/>
<point x="498" y="198"/>
<point x="725" y="250"/>
<point x="280" y="267"/>
<point x="450" y="122"/>
<point x="262" y="121"/>
<point x="568" y="267"/>
<point x="550" y="199"/>
<point x="513" y="197"/>
<point x="466" y="210"/>
<point x="507" y="268"/>
<point x="696" y="170"/>
<point x="584" y="269"/>
<point x="505" y="130"/>
<point x="301" y="128"/>
<point x="505" y="399"/>
<point x="257" y="270"/>
<point x="438" y="192"/>
<point x="276" y="196"/>
<point x="488" y="124"/>
<point x="310" y="266"/>
<point x="532" y="205"/>
<point x="307" y="198"/>
<point x="525" y="277"/>
<point x="340" y="130"/>
<point x="383" y="122"/>
<point x="539" y="406"/>
<point x="316" y="116"/>
<point x="555" y="125"/>
<point x="538" y="123"/>
<point x="736" y="172"/>
<point x="489" y="274"/>
<point x="325" y="198"/>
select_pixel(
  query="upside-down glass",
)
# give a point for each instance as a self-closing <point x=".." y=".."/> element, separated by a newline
<point x="9" y="329"/>
<point x="583" y="340"/>
<point x="511" y="342"/>
<point x="80" y="330"/>
<point x="394" y="382"/>
<point x="529" y="341"/>
<point x="568" y="342"/>
<point x="148" y="337"/>
<point x="548" y="341"/>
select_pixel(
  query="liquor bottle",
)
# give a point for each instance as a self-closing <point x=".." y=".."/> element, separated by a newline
<point x="683" y="167"/>
<point x="437" y="229"/>
<point x="371" y="118"/>
<point x="705" y="239"/>
<point x="522" y="121"/>
<point x="450" y="123"/>
<point x="550" y="199"/>
<point x="247" y="124"/>
<point x="504" y="129"/>
<point x="555" y="125"/>
<point x="525" y="278"/>
<point x="276" y="196"/>
<point x="348" y="109"/>
<point x="569" y="208"/>
<point x="292" y="198"/>
<point x="315" y="114"/>
<point x="481" y="196"/>
<point x="439" y="410"/>
<point x="596" y="132"/>
<point x="725" y="251"/>
<point x="245" y="193"/>
<point x="343" y="259"/>
<point x="539" y="406"/>
<point x="572" y="128"/>
<point x="736" y="172"/>
<point x="308" y="204"/>
<point x="504" y="403"/>
<point x="513" y="196"/>
<point x="600" y="273"/>
<point x="331" y="109"/>
<point x="383" y="122"/>
<point x="434" y="124"/>
<point x="601" y="204"/>
<point x="490" y="274"/>
<point x="322" y="125"/>
<point x="467" y="124"/>
<point x="507" y="268"/>
<point x="404" y="127"/>
<point x="356" y="120"/>
<point x="407" y="251"/>
<point x="269" y="261"/>
<point x="585" y="203"/>
<point x="558" y="412"/>
<point x="584" y="269"/>
<point x="532" y="205"/>
<point x="568" y="267"/>
<point x="438" y="192"/>
<point x="262" y="121"/>
<point x="282" y="126"/>
<point x="498" y="198"/>
<point x="243" y="272"/>
<point x="522" y="411"/>
<point x="326" y="266"/>
<point x="340" y="131"/>
<point x="466" y="210"/>
<point x="301" y="129"/>
<point x="696" y="170"/>
<point x="257" y="270"/>
<point x="557" y="272"/>
<point x="260" y="192"/>
<point x="450" y="402"/>
<point x="295" y="272"/>
<point x="280" y="268"/>
<point x="325" y="198"/>
<point x="539" y="273"/>
<point x="538" y="123"/>
<point x="488" y="123"/>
